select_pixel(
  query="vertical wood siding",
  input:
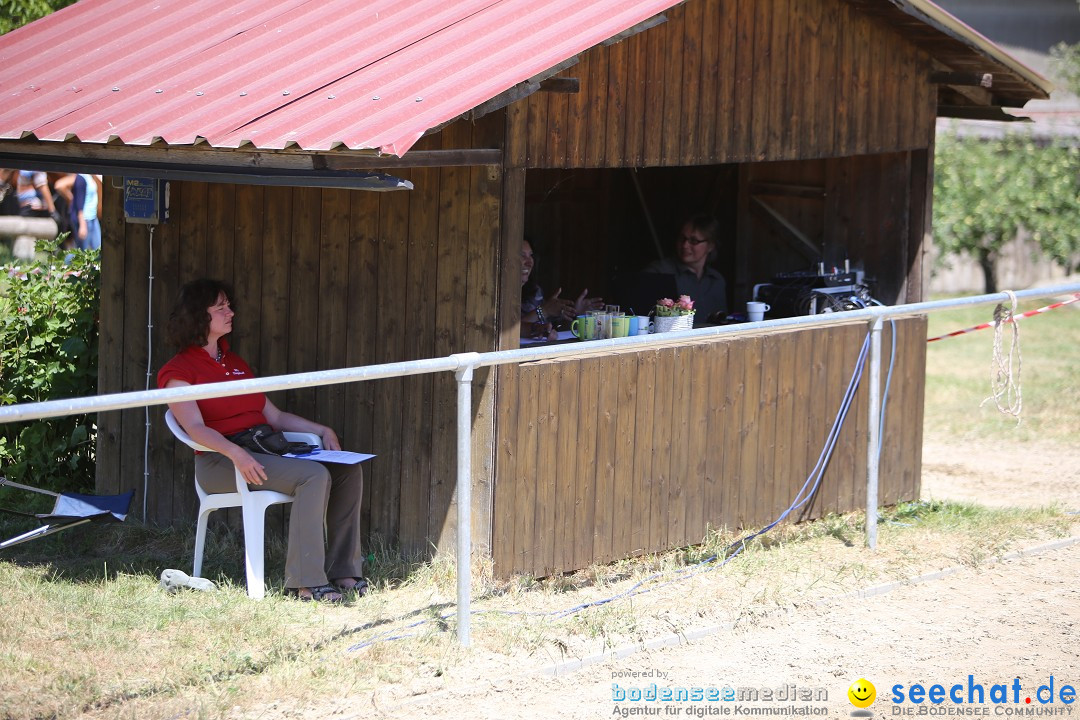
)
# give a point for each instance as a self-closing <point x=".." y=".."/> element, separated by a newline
<point x="739" y="80"/>
<point x="636" y="452"/>
<point x="324" y="279"/>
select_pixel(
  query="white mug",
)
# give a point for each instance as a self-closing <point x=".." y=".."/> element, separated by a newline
<point x="755" y="311"/>
<point x="643" y="325"/>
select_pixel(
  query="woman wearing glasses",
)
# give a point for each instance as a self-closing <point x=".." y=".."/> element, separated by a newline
<point x="693" y="274"/>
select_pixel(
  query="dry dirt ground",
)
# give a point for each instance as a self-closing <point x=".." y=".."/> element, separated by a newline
<point x="1024" y="475"/>
<point x="1017" y="618"/>
<point x="1009" y="625"/>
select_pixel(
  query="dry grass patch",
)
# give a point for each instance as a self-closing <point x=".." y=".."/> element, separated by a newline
<point x="110" y="643"/>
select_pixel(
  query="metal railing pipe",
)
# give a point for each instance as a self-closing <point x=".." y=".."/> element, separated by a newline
<point x="121" y="401"/>
<point x="464" y="375"/>
<point x="873" y="433"/>
<point x="141" y="398"/>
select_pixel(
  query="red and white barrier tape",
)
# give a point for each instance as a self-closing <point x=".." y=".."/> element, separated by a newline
<point x="1074" y="298"/>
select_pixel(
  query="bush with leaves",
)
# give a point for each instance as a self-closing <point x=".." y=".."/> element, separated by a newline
<point x="987" y="190"/>
<point x="48" y="351"/>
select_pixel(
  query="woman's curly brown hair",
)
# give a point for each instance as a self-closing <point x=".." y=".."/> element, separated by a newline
<point x="189" y="321"/>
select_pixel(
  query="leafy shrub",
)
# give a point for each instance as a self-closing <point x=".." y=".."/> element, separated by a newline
<point x="48" y="351"/>
<point x="16" y="13"/>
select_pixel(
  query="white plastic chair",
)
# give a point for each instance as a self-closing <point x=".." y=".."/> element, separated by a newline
<point x="253" y="506"/>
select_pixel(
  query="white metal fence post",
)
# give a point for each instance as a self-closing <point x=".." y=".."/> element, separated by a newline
<point x="464" y="375"/>
<point x="873" y="433"/>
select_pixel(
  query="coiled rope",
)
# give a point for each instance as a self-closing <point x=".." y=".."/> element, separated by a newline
<point x="1005" y="388"/>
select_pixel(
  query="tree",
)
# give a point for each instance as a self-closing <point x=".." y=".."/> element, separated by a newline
<point x="986" y="191"/>
<point x="16" y="13"/>
<point x="1066" y="64"/>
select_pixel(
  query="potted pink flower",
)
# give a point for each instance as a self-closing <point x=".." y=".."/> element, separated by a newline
<point x="674" y="314"/>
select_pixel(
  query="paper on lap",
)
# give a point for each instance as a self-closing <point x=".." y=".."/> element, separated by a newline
<point x="342" y="457"/>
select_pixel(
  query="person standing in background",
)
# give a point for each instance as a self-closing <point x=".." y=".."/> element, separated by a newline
<point x="35" y="198"/>
<point x="83" y="194"/>
<point x="85" y="224"/>
<point x="9" y="199"/>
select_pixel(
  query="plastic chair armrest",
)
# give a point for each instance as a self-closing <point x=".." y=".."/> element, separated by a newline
<point x="306" y="437"/>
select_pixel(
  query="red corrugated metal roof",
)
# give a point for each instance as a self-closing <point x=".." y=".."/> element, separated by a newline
<point x="311" y="74"/>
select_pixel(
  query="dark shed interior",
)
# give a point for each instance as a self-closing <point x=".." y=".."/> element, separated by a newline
<point x="595" y="228"/>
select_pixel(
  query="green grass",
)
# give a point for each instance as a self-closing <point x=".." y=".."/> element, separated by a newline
<point x="958" y="377"/>
<point x="87" y="626"/>
<point x="88" y="631"/>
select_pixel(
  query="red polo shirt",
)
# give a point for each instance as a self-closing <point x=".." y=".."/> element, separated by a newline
<point x="227" y="415"/>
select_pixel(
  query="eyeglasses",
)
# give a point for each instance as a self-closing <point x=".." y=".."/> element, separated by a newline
<point x="692" y="240"/>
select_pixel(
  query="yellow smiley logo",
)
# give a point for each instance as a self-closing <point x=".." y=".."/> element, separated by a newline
<point x="862" y="693"/>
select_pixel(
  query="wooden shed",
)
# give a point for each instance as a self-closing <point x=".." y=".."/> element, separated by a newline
<point x="805" y="126"/>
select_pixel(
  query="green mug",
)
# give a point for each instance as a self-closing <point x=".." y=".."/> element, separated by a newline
<point x="584" y="327"/>
<point x="620" y="326"/>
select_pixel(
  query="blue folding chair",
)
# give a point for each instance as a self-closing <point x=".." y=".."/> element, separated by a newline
<point x="69" y="510"/>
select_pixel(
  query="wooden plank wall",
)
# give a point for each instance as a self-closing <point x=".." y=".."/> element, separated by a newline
<point x="324" y="279"/>
<point x="737" y="81"/>
<point x="641" y="451"/>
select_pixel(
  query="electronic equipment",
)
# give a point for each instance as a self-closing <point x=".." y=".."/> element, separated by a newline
<point x="146" y="200"/>
<point x="813" y="293"/>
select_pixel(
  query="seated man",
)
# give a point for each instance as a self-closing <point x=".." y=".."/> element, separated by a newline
<point x="539" y="313"/>
<point x="693" y="275"/>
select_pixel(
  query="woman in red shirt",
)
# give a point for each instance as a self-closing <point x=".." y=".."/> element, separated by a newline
<point x="198" y="324"/>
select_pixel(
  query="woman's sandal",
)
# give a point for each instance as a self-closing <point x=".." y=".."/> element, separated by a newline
<point x="323" y="593"/>
<point x="359" y="585"/>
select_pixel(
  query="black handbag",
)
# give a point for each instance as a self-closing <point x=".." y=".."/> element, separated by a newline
<point x="265" y="439"/>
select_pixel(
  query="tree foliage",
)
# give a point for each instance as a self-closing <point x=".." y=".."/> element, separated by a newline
<point x="16" y="13"/>
<point x="1066" y="64"/>
<point x="986" y="191"/>
<point x="48" y="351"/>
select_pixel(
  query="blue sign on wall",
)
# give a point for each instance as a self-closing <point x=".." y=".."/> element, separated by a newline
<point x="146" y="200"/>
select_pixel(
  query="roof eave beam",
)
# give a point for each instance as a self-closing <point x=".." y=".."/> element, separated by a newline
<point x="965" y="79"/>
<point x="518" y="92"/>
<point x="111" y="153"/>
<point x="283" y="169"/>
<point x="978" y="112"/>
<point x="639" y="28"/>
<point x="465" y="157"/>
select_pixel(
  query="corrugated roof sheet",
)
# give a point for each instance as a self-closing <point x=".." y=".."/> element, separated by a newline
<point x="275" y="74"/>
<point x="327" y="74"/>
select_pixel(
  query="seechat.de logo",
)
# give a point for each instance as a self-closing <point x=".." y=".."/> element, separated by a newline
<point x="862" y="694"/>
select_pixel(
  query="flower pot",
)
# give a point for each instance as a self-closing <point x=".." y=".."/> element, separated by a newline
<point x="668" y="323"/>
